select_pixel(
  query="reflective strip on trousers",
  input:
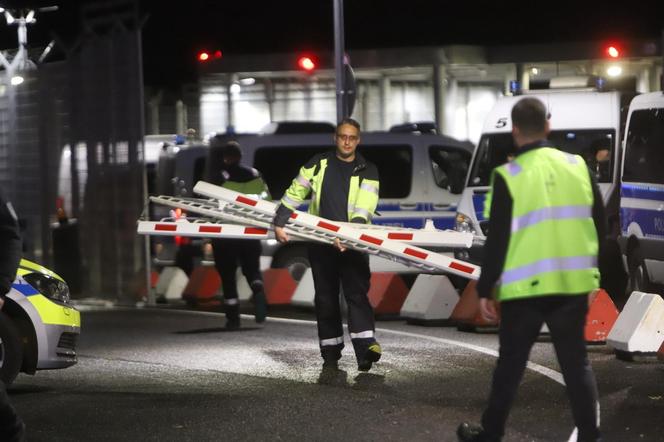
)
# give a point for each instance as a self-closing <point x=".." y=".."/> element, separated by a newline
<point x="548" y="265"/>
<point x="369" y="188"/>
<point x="362" y="335"/>
<point x="303" y="181"/>
<point x="231" y="301"/>
<point x="550" y="213"/>
<point x="332" y="341"/>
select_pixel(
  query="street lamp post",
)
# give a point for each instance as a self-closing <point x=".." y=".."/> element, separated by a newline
<point x="342" y="98"/>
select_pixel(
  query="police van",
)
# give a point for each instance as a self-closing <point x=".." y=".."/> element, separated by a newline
<point x="421" y="176"/>
<point x="39" y="328"/>
<point x="642" y="194"/>
<point x="584" y="121"/>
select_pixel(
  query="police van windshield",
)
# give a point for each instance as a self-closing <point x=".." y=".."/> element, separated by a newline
<point x="644" y="147"/>
<point x="595" y="146"/>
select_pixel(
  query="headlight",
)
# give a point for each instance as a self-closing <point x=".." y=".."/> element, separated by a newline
<point x="50" y="287"/>
<point x="464" y="224"/>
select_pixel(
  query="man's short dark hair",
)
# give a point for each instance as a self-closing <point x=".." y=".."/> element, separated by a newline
<point x="529" y="115"/>
<point x="349" y="121"/>
<point x="232" y="150"/>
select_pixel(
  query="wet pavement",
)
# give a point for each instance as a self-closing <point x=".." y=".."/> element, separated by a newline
<point x="174" y="375"/>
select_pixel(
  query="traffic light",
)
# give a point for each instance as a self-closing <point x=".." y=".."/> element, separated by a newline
<point x="306" y="63"/>
<point x="204" y="56"/>
<point x="613" y="51"/>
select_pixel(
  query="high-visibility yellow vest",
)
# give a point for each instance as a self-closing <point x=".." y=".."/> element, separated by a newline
<point x="362" y="191"/>
<point x="553" y="242"/>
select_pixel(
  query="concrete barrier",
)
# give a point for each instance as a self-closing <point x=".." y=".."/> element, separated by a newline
<point x="177" y="281"/>
<point x="431" y="299"/>
<point x="279" y="286"/>
<point x="203" y="285"/>
<point x="387" y="293"/>
<point x="602" y="315"/>
<point x="640" y="326"/>
<point x="304" y="293"/>
<point x="466" y="313"/>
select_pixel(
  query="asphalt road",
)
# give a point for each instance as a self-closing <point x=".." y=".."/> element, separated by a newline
<point x="168" y="375"/>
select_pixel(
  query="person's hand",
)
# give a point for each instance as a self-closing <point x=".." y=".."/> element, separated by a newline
<point x="281" y="235"/>
<point x="2" y="302"/>
<point x="488" y="310"/>
<point x="338" y="245"/>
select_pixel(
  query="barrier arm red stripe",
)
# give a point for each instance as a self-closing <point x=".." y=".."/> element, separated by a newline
<point x="400" y="236"/>
<point x="166" y="227"/>
<point x="328" y="226"/>
<point x="415" y="253"/>
<point x="460" y="267"/>
<point x="209" y="229"/>
<point x="245" y="200"/>
<point x="255" y="231"/>
<point x="371" y="239"/>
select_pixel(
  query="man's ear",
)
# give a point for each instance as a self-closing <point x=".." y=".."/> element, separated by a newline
<point x="547" y="128"/>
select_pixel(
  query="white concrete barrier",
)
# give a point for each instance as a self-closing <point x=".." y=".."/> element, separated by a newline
<point x="640" y="326"/>
<point x="304" y="293"/>
<point x="432" y="298"/>
<point x="177" y="283"/>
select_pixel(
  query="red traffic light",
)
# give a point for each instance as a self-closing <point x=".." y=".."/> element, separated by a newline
<point x="613" y="51"/>
<point x="306" y="63"/>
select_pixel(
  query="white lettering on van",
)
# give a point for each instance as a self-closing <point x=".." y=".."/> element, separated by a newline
<point x="659" y="224"/>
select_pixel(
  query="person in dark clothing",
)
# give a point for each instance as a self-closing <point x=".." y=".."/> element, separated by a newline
<point x="12" y="427"/>
<point x="546" y="229"/>
<point x="228" y="252"/>
<point x="343" y="187"/>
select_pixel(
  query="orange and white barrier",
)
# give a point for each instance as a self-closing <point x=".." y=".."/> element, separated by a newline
<point x="432" y="298"/>
<point x="304" y="293"/>
<point x="279" y="286"/>
<point x="602" y="315"/>
<point x="640" y="326"/>
<point x="387" y="293"/>
<point x="183" y="227"/>
<point x="203" y="285"/>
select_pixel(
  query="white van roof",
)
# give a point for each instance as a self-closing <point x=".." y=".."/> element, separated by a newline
<point x="644" y="101"/>
<point x="153" y="145"/>
<point x="578" y="110"/>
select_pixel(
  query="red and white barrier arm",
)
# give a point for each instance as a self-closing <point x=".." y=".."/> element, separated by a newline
<point x="327" y="231"/>
<point x="204" y="230"/>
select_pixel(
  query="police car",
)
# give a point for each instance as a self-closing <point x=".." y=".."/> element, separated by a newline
<point x="38" y="326"/>
<point x="642" y="194"/>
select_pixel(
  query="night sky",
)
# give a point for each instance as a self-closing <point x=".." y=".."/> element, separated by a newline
<point x="172" y="36"/>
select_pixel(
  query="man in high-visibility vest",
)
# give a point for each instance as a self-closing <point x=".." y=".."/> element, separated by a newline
<point x="229" y="252"/>
<point x="343" y="187"/>
<point x="546" y="225"/>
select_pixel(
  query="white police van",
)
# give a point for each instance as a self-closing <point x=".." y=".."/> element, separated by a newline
<point x="421" y="177"/>
<point x="642" y="193"/>
<point x="583" y="120"/>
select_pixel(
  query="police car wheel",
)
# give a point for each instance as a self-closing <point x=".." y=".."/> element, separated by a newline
<point x="294" y="259"/>
<point x="11" y="351"/>
<point x="638" y="275"/>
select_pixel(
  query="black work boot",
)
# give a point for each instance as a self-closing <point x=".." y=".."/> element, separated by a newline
<point x="232" y="316"/>
<point x="260" y="301"/>
<point x="371" y="354"/>
<point x="331" y="355"/>
<point x="474" y="433"/>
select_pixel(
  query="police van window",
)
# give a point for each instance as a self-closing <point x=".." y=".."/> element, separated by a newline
<point x="644" y="147"/>
<point x="492" y="151"/>
<point x="595" y="146"/>
<point x="449" y="167"/>
<point x="395" y="168"/>
<point x="279" y="165"/>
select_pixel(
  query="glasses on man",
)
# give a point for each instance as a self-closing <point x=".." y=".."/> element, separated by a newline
<point x="347" y="138"/>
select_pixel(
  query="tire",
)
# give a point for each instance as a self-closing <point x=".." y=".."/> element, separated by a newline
<point x="11" y="351"/>
<point x="638" y="275"/>
<point x="295" y="258"/>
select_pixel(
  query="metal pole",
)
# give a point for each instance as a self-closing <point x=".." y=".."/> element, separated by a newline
<point x="342" y="108"/>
